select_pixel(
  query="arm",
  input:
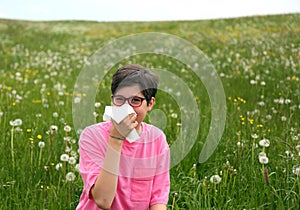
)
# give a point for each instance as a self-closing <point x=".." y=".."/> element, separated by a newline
<point x="104" y="190"/>
<point x="105" y="187"/>
<point x="158" y="207"/>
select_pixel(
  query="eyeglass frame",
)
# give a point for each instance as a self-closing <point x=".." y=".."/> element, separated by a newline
<point x="128" y="100"/>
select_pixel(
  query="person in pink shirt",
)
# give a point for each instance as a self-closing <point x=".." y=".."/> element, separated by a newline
<point x="118" y="174"/>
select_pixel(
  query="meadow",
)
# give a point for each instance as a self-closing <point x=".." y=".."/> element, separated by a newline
<point x="257" y="162"/>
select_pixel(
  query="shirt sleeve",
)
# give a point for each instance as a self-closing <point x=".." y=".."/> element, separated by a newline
<point x="92" y="148"/>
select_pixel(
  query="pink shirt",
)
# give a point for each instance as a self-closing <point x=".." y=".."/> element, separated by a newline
<point x="143" y="173"/>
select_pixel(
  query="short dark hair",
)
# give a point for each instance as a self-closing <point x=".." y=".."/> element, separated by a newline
<point x="132" y="74"/>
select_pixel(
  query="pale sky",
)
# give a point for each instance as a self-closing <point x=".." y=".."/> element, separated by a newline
<point x="141" y="10"/>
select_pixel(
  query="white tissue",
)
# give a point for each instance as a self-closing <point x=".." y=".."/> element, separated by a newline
<point x="118" y="113"/>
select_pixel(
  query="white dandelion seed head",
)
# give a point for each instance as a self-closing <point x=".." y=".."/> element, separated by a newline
<point x="77" y="167"/>
<point x="174" y="115"/>
<point x="239" y="144"/>
<point x="255" y="136"/>
<point x="41" y="144"/>
<point x="283" y="118"/>
<point x="77" y="100"/>
<point x="95" y="114"/>
<point x="53" y="128"/>
<point x="58" y="166"/>
<point x="296" y="170"/>
<point x="55" y="114"/>
<point x="289" y="153"/>
<point x="70" y="176"/>
<point x="67" y="128"/>
<point x="64" y="157"/>
<point x="16" y="122"/>
<point x="72" y="160"/>
<point x="268" y="117"/>
<point x="263" y="159"/>
<point x="97" y="104"/>
<point x="262" y="154"/>
<point x="264" y="143"/>
<point x="216" y="179"/>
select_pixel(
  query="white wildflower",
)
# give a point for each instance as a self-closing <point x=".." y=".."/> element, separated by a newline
<point x="58" y="166"/>
<point x="264" y="143"/>
<point x="263" y="159"/>
<point x="67" y="128"/>
<point x="215" y="179"/>
<point x="41" y="144"/>
<point x="296" y="170"/>
<point x="70" y="176"/>
<point x="97" y="104"/>
<point x="72" y="160"/>
<point x="64" y="157"/>
<point x="16" y="122"/>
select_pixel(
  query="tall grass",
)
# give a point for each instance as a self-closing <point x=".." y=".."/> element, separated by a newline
<point x="257" y="59"/>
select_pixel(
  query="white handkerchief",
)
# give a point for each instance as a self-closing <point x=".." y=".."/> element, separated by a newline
<point x="118" y="113"/>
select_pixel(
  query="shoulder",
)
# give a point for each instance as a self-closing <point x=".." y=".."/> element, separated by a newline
<point x="95" y="131"/>
<point x="153" y="133"/>
<point x="98" y="127"/>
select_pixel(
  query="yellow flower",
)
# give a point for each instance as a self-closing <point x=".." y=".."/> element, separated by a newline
<point x="30" y="139"/>
<point x="39" y="136"/>
<point x="28" y="130"/>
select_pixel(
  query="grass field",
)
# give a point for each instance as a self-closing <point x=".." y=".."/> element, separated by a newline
<point x="257" y="162"/>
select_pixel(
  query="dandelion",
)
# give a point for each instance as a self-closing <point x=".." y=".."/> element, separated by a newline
<point x="215" y="179"/>
<point x="289" y="153"/>
<point x="174" y="115"/>
<point x="261" y="103"/>
<point x="95" y="114"/>
<point x="262" y="154"/>
<point x="97" y="104"/>
<point x="239" y="144"/>
<point x="296" y="170"/>
<point x="16" y="122"/>
<point x="39" y="136"/>
<point x="55" y="114"/>
<point x="58" y="166"/>
<point x="41" y="144"/>
<point x="264" y="143"/>
<point x="72" y="160"/>
<point x="283" y="118"/>
<point x="263" y="159"/>
<point x="255" y="136"/>
<point x="70" y="176"/>
<point x="77" y="167"/>
<point x="77" y="100"/>
<point x="67" y="128"/>
<point x="268" y="117"/>
<point x="64" y="157"/>
<point x="53" y="128"/>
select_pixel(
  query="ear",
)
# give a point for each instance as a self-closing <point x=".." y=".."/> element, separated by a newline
<point x="151" y="104"/>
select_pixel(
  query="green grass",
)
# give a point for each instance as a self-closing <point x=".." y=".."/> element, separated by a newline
<point x="39" y="65"/>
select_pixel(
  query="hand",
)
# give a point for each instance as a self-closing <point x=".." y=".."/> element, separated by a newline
<point x="124" y="127"/>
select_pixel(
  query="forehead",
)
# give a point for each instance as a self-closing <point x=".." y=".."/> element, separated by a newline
<point x="128" y="91"/>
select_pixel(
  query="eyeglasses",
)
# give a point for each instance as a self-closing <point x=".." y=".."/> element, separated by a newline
<point x="134" y="101"/>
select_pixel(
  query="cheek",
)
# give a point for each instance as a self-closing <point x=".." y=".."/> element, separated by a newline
<point x="141" y="113"/>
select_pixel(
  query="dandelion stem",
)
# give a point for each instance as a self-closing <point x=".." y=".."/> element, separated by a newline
<point x="12" y="148"/>
<point x="40" y="157"/>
